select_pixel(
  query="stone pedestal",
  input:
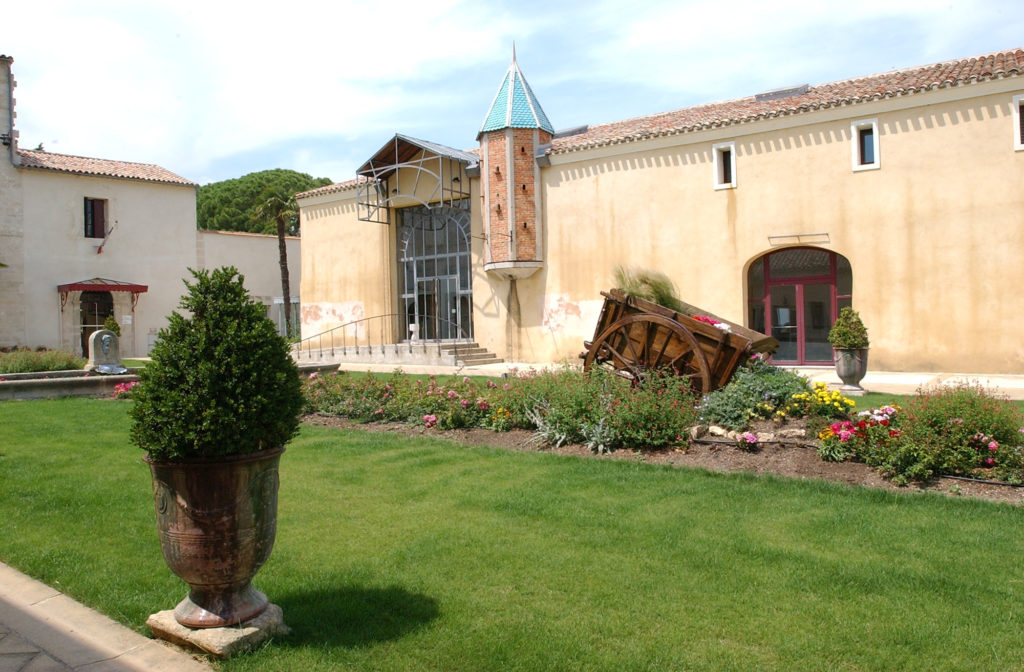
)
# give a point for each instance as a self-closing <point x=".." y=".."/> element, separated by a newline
<point x="219" y="642"/>
<point x="104" y="353"/>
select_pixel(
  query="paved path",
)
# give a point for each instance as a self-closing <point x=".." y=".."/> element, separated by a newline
<point x="42" y="630"/>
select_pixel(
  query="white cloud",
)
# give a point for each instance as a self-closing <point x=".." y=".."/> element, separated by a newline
<point x="194" y="86"/>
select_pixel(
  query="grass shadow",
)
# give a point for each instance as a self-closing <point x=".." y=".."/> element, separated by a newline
<point x="354" y="616"/>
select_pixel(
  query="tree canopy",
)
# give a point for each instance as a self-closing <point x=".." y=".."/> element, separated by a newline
<point x="235" y="205"/>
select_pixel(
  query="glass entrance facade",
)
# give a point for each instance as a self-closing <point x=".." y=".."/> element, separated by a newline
<point x="435" y="283"/>
<point x="795" y="295"/>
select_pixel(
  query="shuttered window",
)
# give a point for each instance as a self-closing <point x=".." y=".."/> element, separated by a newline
<point x="95" y="218"/>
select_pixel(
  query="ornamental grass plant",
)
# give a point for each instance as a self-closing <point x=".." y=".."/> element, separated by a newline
<point x="653" y="286"/>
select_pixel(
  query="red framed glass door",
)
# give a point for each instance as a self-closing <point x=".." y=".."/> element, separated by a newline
<point x="794" y="295"/>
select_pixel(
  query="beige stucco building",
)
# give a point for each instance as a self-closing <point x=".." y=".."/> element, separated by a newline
<point x="84" y="238"/>
<point x="899" y="193"/>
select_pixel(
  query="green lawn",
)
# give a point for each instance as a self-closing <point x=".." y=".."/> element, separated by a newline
<point x="398" y="554"/>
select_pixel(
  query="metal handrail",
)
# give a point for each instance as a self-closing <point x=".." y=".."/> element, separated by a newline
<point x="305" y="347"/>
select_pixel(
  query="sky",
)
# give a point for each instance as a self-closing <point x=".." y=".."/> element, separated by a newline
<point x="215" y="90"/>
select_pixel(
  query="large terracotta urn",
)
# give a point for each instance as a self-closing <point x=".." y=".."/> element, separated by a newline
<point x="217" y="519"/>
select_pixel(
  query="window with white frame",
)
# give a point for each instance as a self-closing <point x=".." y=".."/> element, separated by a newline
<point x="864" y="136"/>
<point x="1018" y="122"/>
<point x="725" y="165"/>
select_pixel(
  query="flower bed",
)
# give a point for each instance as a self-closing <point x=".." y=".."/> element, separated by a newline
<point x="956" y="431"/>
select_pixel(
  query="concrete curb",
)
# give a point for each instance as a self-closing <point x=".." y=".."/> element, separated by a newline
<point x="41" y="628"/>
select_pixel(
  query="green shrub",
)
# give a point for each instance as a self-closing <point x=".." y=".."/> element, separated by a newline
<point x="111" y="324"/>
<point x="963" y="428"/>
<point x="755" y="390"/>
<point x="849" y="331"/>
<point x="23" y="360"/>
<point x="561" y="403"/>
<point x="564" y="405"/>
<point x="221" y="381"/>
<point x="654" y="414"/>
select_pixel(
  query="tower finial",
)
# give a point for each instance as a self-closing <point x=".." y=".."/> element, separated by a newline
<point x="513" y="51"/>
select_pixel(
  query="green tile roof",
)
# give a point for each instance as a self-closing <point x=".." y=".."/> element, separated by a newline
<point x="514" y="105"/>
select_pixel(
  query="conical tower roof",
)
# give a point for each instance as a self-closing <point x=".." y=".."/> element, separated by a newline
<point x="515" y="106"/>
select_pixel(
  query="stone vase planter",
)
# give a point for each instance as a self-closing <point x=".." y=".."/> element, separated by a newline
<point x="217" y="519"/>
<point x="851" y="367"/>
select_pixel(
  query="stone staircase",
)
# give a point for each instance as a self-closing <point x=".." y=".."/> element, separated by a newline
<point x="421" y="353"/>
<point x="470" y="354"/>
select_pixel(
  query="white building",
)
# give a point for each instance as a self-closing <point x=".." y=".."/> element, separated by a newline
<point x="83" y="238"/>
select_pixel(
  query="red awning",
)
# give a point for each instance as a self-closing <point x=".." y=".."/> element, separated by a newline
<point x="101" y="285"/>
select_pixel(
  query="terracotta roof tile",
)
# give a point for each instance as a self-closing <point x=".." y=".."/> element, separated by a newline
<point x="852" y="91"/>
<point x="332" y="188"/>
<point x="80" y="165"/>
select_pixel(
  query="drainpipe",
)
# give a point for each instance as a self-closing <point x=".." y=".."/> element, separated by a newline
<point x="512" y="325"/>
<point x="9" y="135"/>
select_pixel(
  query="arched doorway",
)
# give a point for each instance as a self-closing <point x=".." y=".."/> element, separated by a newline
<point x="96" y="307"/>
<point x="794" y="295"/>
<point x="435" y="280"/>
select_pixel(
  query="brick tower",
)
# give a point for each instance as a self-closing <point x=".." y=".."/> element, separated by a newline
<point x="511" y="136"/>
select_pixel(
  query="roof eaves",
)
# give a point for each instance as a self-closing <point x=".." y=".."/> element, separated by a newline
<point x="568" y="146"/>
<point x="338" y="187"/>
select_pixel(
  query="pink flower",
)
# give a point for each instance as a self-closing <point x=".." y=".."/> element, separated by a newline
<point x="989" y="461"/>
<point x="465" y="379"/>
<point x="313" y="376"/>
<point x="491" y="384"/>
<point x="452" y="394"/>
<point x="845" y="435"/>
<point x="993" y="446"/>
<point x="465" y="403"/>
<point x="429" y="420"/>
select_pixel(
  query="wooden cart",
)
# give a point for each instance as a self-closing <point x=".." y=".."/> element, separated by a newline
<point x="634" y="336"/>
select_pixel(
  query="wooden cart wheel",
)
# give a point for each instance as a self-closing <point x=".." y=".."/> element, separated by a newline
<point x="644" y="342"/>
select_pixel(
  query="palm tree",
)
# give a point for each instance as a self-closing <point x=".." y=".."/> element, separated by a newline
<point x="279" y="207"/>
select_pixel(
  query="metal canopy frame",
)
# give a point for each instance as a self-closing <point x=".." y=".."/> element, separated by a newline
<point x="439" y="168"/>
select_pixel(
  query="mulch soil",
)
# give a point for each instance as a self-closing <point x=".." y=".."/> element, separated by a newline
<point x="785" y="457"/>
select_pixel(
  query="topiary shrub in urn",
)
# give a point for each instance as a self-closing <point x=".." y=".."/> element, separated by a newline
<point x="849" y="339"/>
<point x="213" y="411"/>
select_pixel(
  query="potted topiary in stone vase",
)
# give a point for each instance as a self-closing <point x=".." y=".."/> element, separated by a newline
<point x="849" y="339"/>
<point x="213" y="411"/>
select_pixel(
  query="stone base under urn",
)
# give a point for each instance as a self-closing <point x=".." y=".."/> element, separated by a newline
<point x="220" y="642"/>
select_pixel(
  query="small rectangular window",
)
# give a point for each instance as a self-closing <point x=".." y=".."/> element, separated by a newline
<point x="1018" y="122"/>
<point x="725" y="165"/>
<point x="865" y="144"/>
<point x="95" y="218"/>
